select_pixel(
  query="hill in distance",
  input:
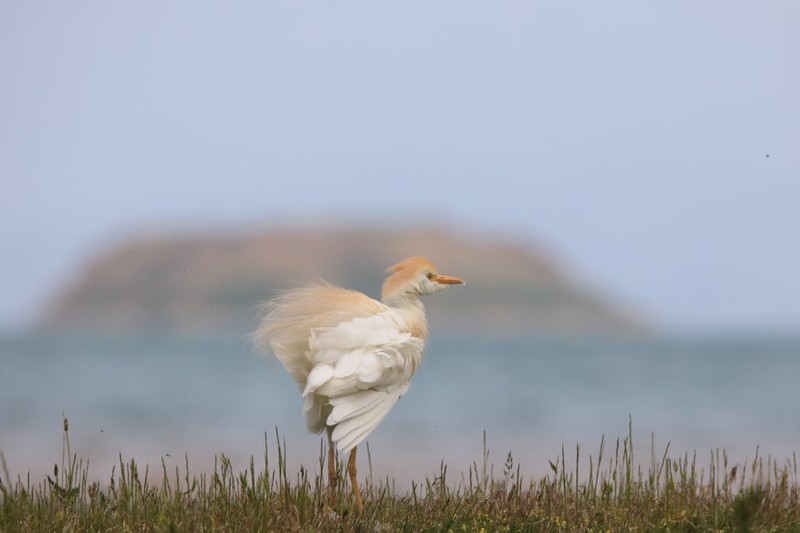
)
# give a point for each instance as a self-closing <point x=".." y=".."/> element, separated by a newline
<point x="209" y="285"/>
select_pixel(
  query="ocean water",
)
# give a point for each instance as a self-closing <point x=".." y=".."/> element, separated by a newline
<point x="167" y="399"/>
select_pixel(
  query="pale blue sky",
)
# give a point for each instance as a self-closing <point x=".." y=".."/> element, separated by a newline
<point x="631" y="137"/>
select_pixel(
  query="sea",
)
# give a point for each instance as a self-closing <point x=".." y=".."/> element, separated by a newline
<point x="187" y="401"/>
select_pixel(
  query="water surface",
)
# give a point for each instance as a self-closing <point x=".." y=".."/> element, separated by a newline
<point x="152" y="399"/>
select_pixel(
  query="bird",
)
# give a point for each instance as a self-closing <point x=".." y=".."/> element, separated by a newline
<point x="352" y="357"/>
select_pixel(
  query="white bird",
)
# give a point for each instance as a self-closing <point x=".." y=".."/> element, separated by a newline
<point x="353" y="357"/>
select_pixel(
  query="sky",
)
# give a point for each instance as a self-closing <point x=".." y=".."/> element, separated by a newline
<point x="654" y="146"/>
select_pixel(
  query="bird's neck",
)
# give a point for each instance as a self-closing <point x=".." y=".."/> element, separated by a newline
<point x="411" y="309"/>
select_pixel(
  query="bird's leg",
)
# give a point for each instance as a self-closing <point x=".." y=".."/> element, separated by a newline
<point x="351" y="469"/>
<point x="332" y="475"/>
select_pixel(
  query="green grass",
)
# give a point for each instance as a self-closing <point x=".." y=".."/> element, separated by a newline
<point x="604" y="491"/>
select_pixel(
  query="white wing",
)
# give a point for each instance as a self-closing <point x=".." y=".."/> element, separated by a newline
<point x="290" y="318"/>
<point x="361" y="368"/>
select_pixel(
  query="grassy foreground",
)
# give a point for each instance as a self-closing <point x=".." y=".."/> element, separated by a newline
<point x="605" y="491"/>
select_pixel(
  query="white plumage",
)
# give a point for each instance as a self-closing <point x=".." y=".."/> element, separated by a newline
<point x="361" y="368"/>
<point x="353" y="357"/>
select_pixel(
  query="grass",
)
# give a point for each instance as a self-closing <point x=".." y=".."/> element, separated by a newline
<point x="604" y="491"/>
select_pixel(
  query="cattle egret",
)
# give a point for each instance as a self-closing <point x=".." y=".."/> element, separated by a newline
<point x="353" y="357"/>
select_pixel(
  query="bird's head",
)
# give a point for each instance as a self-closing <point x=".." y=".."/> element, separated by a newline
<point x="415" y="276"/>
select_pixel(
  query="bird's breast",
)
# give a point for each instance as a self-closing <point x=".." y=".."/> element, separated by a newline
<point x="412" y="320"/>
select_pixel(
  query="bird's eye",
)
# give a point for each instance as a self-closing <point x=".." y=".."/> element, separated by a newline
<point x="430" y="275"/>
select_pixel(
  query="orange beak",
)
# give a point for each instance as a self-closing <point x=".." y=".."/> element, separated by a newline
<point x="447" y="280"/>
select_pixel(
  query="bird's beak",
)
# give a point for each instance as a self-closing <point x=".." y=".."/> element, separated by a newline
<point x="447" y="280"/>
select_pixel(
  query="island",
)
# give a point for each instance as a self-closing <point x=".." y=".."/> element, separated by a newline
<point x="211" y="283"/>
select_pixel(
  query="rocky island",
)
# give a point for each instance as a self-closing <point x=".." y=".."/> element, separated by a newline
<point x="211" y="284"/>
